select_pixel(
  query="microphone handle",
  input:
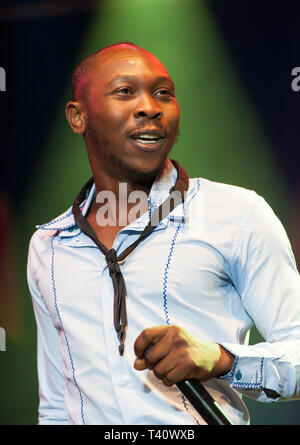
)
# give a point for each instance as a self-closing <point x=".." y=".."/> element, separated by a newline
<point x="203" y="402"/>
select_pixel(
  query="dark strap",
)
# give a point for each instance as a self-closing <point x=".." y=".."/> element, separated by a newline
<point x="112" y="260"/>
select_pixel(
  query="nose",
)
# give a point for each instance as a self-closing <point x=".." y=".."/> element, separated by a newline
<point x="147" y="107"/>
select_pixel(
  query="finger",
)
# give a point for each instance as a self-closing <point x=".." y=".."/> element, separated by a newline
<point x="148" y="337"/>
<point x="166" y="365"/>
<point x="175" y="375"/>
<point x="174" y="368"/>
<point x="153" y="354"/>
<point x="171" y="379"/>
<point x="160" y="350"/>
<point x="140" y="364"/>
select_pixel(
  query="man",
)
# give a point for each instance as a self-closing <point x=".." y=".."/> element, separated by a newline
<point x="126" y="310"/>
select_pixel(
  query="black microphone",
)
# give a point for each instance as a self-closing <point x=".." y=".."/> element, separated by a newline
<point x="203" y="402"/>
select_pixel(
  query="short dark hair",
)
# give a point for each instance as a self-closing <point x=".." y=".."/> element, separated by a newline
<point x="80" y="79"/>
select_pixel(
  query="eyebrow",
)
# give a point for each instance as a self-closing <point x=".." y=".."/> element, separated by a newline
<point x="131" y="78"/>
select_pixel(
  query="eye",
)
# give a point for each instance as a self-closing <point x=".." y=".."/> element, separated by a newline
<point x="164" y="92"/>
<point x="124" y="90"/>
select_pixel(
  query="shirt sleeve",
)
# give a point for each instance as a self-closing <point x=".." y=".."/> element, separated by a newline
<point x="265" y="275"/>
<point x="52" y="409"/>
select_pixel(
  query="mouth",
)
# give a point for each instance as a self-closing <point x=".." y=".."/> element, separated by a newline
<point x="148" y="138"/>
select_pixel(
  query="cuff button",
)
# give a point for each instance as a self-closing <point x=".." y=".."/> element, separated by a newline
<point x="238" y="375"/>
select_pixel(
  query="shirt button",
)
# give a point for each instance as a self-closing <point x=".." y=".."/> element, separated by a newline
<point x="238" y="375"/>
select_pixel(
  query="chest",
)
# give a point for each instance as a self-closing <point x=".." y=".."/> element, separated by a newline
<point x="168" y="275"/>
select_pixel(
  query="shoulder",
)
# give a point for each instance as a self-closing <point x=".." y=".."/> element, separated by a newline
<point x="235" y="212"/>
<point x="40" y="241"/>
<point x="226" y="202"/>
<point x="252" y="218"/>
<point x="219" y="191"/>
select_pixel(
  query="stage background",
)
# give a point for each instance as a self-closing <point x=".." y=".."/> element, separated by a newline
<point x="231" y="62"/>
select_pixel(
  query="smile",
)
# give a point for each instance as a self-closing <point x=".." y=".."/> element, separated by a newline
<point x="147" y="139"/>
<point x="148" y="143"/>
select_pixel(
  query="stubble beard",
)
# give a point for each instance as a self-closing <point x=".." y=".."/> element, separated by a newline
<point x="138" y="180"/>
<point x="123" y="172"/>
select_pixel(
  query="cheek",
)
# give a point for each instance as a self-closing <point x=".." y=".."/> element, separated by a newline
<point x="106" y="125"/>
<point x="174" y="116"/>
<point x="105" y="141"/>
<point x="108" y="120"/>
<point x="116" y="113"/>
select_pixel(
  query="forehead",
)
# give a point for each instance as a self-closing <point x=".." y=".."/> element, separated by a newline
<point x="121" y="62"/>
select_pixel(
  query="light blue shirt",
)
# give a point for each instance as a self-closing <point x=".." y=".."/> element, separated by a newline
<point x="215" y="266"/>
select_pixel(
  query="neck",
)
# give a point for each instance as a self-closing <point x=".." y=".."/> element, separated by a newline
<point x="123" y="196"/>
<point x="107" y="183"/>
<point x="122" y="174"/>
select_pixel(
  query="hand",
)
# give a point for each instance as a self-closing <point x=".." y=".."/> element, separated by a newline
<point x="175" y="355"/>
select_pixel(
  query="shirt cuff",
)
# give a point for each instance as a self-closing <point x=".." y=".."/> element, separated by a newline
<point x="253" y="373"/>
<point x="245" y="373"/>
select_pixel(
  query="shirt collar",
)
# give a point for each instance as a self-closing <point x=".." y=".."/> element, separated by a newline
<point x="158" y="193"/>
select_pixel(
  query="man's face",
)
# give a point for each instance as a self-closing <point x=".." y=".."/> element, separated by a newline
<point x="132" y="113"/>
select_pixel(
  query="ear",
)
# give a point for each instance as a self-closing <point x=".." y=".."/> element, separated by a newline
<point x="76" y="117"/>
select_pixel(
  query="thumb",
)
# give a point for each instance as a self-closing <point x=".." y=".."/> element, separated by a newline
<point x="140" y="364"/>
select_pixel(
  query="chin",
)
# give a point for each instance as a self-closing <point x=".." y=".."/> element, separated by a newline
<point x="141" y="172"/>
<point x="141" y="176"/>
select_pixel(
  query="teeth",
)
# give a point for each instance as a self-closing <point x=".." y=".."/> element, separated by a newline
<point x="148" y="136"/>
<point x="147" y="141"/>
